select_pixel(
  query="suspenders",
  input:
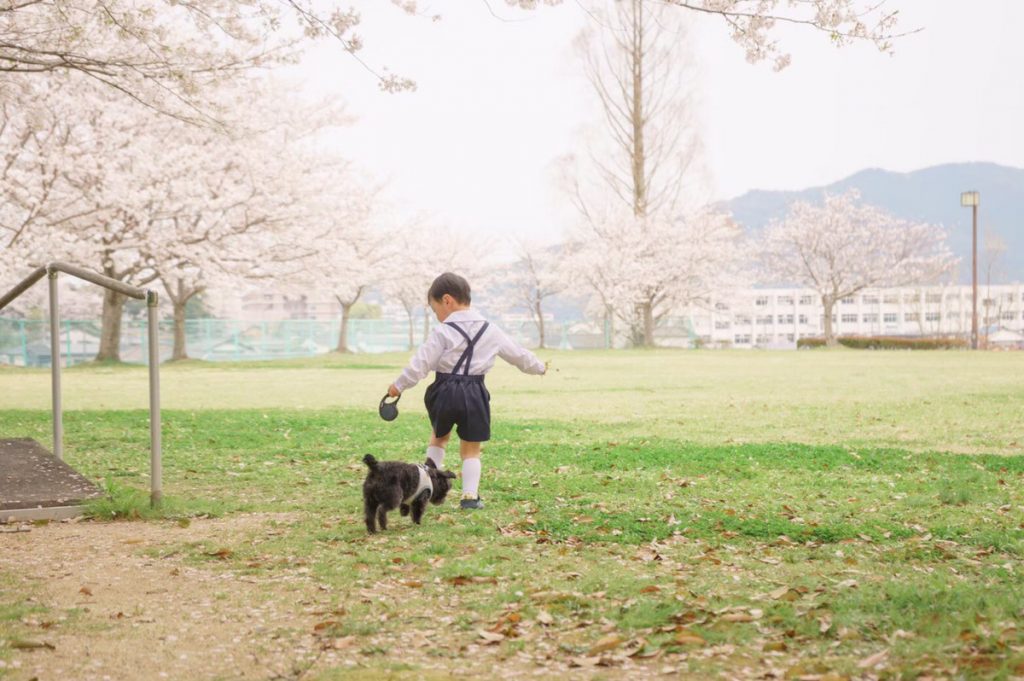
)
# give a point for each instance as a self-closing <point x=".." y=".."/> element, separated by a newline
<point x="467" y="354"/>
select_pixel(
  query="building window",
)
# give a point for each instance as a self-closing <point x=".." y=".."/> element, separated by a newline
<point x="849" y="319"/>
<point x="952" y="298"/>
<point x="806" y="300"/>
<point x="722" y="325"/>
<point x="784" y="300"/>
<point x="721" y="307"/>
<point x="790" y="337"/>
<point x="911" y="298"/>
<point x="742" y="339"/>
<point x="763" y="339"/>
<point x="870" y="299"/>
<point x="1009" y="316"/>
<point x="764" y="319"/>
<point x="891" y="299"/>
<point x="1008" y="297"/>
<point x="848" y="300"/>
<point x="785" y="319"/>
<point x="952" y="315"/>
<point x="911" y="317"/>
<point x="741" y="319"/>
<point x="761" y="301"/>
<point x="889" y="317"/>
<point x="803" y="319"/>
<point x="933" y="298"/>
<point x="931" y="316"/>
<point x="871" y="318"/>
<point x="988" y="302"/>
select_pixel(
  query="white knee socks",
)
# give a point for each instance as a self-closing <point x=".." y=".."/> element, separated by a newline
<point x="471" y="478"/>
<point x="436" y="454"/>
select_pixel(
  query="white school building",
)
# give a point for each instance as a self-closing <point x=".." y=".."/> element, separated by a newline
<point x="778" y="317"/>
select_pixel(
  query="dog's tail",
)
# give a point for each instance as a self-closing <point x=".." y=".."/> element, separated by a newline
<point x="370" y="462"/>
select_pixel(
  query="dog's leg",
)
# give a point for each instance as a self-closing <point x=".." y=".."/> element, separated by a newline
<point x="418" y="506"/>
<point x="382" y="517"/>
<point x="404" y="510"/>
<point x="370" y="511"/>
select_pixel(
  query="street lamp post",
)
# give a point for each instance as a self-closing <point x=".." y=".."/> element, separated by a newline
<point x="972" y="199"/>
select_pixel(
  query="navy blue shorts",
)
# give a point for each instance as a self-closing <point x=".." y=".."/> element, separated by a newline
<point x="462" y="402"/>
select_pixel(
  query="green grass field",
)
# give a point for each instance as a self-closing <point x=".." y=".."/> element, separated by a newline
<point x="828" y="514"/>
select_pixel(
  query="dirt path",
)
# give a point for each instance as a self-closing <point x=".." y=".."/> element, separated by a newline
<point x="114" y="612"/>
<point x="121" y="604"/>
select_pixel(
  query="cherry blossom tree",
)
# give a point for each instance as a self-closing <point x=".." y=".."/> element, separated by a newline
<point x="641" y="269"/>
<point x="229" y="218"/>
<point x="425" y="250"/>
<point x="844" y="246"/>
<point x="534" y="276"/>
<point x="637" y="202"/>
<point x="169" y="55"/>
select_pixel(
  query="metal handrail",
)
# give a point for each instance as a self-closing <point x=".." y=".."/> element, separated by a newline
<point x="51" y="270"/>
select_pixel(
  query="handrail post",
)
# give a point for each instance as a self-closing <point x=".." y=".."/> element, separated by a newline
<point x="58" y="419"/>
<point x="155" y="452"/>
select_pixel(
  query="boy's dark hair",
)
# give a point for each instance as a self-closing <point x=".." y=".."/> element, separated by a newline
<point x="452" y="284"/>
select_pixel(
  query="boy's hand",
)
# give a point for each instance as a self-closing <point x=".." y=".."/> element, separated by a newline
<point x="547" y="364"/>
<point x="393" y="391"/>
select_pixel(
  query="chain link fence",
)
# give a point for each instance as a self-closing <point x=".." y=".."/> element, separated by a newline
<point x="26" y="342"/>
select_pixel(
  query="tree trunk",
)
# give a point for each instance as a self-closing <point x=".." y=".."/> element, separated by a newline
<point x="829" y="303"/>
<point x="426" y="323"/>
<point x="110" y="333"/>
<point x="412" y="341"/>
<point x="346" y="308"/>
<point x="648" y="314"/>
<point x="180" y="351"/>
<point x="609" y="328"/>
<point x="540" y="321"/>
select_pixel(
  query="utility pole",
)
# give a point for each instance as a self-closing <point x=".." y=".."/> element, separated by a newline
<point x="972" y="199"/>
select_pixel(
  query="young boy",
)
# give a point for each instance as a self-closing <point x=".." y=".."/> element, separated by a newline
<point x="461" y="349"/>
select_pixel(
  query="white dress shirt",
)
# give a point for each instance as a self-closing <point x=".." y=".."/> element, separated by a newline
<point x="444" y="346"/>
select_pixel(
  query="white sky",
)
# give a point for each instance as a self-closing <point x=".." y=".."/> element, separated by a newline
<point x="499" y="101"/>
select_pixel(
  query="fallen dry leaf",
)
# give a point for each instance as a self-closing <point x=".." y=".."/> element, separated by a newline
<point x="687" y="637"/>
<point x="604" y="644"/>
<point x="490" y="637"/>
<point x="86" y="591"/>
<point x="873" y="660"/>
<point x="32" y="645"/>
<point x="737" y="617"/>
<point x="343" y="642"/>
<point x="544" y="617"/>
<point x="784" y="593"/>
<point x="584" y="661"/>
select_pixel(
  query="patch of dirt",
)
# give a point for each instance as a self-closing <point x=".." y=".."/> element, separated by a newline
<point x="115" y="612"/>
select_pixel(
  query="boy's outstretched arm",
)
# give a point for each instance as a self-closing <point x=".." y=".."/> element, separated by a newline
<point x="520" y="357"/>
<point x="423" y="362"/>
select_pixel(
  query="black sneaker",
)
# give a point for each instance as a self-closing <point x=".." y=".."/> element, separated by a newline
<point x="470" y="503"/>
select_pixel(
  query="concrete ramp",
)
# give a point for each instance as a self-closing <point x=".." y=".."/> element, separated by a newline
<point x="36" y="485"/>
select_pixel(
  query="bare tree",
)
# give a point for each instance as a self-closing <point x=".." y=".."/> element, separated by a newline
<point x="639" y="68"/>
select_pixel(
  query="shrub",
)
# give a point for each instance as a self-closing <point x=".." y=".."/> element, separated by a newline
<point x="889" y="343"/>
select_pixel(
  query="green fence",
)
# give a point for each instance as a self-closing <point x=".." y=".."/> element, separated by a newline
<point x="26" y="342"/>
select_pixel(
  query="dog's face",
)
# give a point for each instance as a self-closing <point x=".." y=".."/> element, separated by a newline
<point x="441" y="480"/>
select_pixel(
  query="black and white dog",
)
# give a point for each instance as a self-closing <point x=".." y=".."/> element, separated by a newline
<point x="395" y="484"/>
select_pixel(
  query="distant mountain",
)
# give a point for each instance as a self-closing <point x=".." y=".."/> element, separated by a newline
<point x="929" y="195"/>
